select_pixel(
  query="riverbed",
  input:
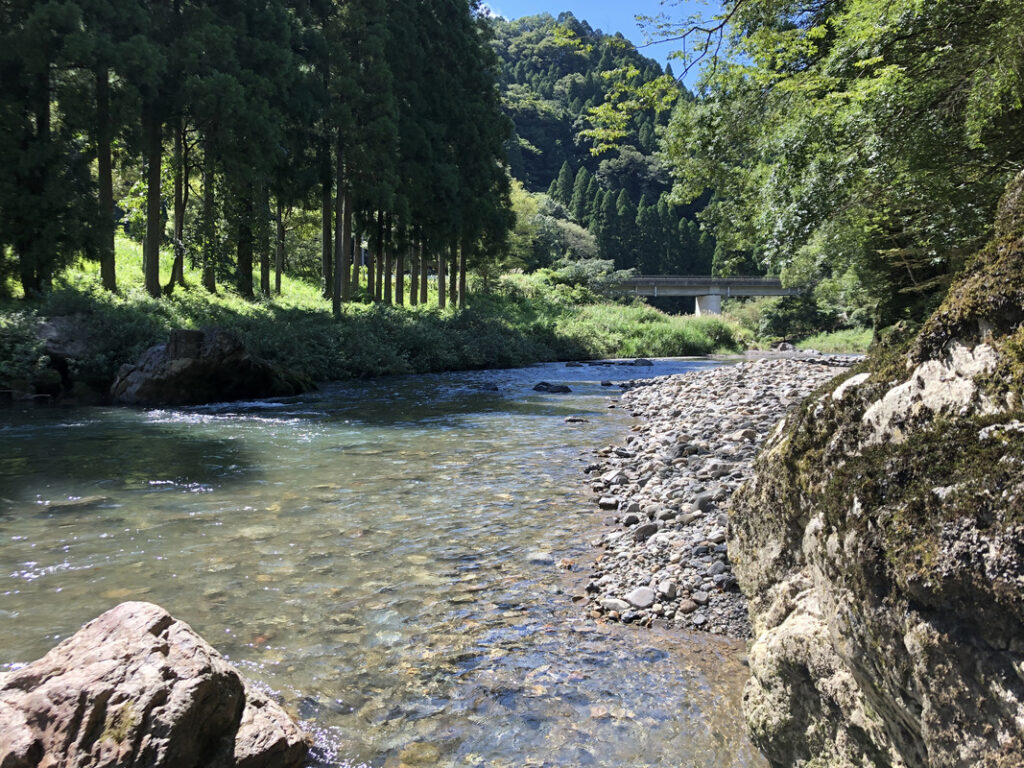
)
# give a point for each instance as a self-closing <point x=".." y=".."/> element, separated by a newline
<point x="396" y="559"/>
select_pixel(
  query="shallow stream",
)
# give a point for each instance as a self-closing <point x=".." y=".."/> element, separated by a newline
<point x="396" y="559"/>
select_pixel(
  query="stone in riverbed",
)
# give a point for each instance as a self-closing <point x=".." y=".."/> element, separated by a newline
<point x="645" y="531"/>
<point x="641" y="597"/>
<point x="614" y="604"/>
<point x="608" y="502"/>
<point x="687" y="606"/>
<point x="138" y="687"/>
<point x="554" y="389"/>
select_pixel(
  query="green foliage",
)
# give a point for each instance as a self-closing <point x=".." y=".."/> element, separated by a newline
<point x="849" y="341"/>
<point x="21" y="350"/>
<point x="862" y="144"/>
<point x="545" y="316"/>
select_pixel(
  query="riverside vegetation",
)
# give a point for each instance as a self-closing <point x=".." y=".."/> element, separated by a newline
<point x="525" y="319"/>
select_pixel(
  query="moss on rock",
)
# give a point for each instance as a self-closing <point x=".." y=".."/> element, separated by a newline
<point x="884" y="557"/>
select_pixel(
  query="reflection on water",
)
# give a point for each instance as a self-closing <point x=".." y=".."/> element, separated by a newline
<point x="384" y="555"/>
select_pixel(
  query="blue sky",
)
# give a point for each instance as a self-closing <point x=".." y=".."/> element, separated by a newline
<point x="611" y="16"/>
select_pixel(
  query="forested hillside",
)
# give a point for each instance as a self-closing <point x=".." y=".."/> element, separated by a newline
<point x="575" y="203"/>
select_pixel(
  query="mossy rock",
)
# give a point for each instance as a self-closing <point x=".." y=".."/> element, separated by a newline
<point x="903" y="555"/>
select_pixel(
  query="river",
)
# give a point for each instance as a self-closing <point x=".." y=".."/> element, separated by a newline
<point x="395" y="559"/>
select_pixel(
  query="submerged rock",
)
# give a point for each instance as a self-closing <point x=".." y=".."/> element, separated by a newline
<point x="137" y="687"/>
<point x="881" y="545"/>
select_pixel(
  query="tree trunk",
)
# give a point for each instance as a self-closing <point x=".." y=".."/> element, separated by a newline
<point x="424" y="292"/>
<point x="414" y="275"/>
<point x="104" y="167"/>
<point x="388" y="260"/>
<point x="378" y="287"/>
<point x="279" y="247"/>
<point x="442" y="277"/>
<point x="462" y="275"/>
<point x="245" y="244"/>
<point x="453" y="284"/>
<point x="357" y="261"/>
<point x="178" y="267"/>
<point x="346" y="244"/>
<point x="373" y="263"/>
<point x="153" y="127"/>
<point x="340" y="277"/>
<point x="263" y="237"/>
<point x="399" y="276"/>
<point x="209" y="222"/>
<point x="326" y="222"/>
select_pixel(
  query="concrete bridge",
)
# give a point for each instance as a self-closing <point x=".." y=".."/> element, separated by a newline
<point x="709" y="291"/>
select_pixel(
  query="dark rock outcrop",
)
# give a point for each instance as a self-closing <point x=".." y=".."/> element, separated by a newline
<point x="136" y="687"/>
<point x="197" y="367"/>
<point x="881" y="545"/>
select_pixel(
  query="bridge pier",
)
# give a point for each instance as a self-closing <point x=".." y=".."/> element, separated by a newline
<point x="710" y="304"/>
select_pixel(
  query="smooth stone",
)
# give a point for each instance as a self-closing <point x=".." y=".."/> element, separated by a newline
<point x="641" y="597"/>
<point x="608" y="502"/>
<point x="687" y="607"/>
<point x="701" y="598"/>
<point x="614" y="604"/>
<point x="645" y="531"/>
<point x="71" y="505"/>
<point x="540" y="558"/>
<point x="668" y="589"/>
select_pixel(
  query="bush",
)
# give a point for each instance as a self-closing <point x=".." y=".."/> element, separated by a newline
<point x="21" y="351"/>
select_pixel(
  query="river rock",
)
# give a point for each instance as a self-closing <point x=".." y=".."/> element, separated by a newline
<point x="880" y="543"/>
<point x="137" y="687"/>
<point x="672" y="478"/>
<point x="197" y="367"/>
<point x="554" y="389"/>
<point x="641" y="597"/>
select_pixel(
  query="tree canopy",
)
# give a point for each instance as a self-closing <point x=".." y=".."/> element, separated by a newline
<point x="859" y="146"/>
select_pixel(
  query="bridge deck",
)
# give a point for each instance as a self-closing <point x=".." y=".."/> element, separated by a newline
<point x="696" y="285"/>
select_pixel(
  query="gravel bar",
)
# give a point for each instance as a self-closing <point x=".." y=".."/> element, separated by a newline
<point x="664" y="559"/>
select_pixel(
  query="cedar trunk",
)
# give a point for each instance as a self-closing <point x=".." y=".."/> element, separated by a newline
<point x="279" y="247"/>
<point x="424" y="271"/>
<point x="104" y="168"/>
<point x="153" y="128"/>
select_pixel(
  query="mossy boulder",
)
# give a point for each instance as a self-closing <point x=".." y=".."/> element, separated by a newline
<point x="881" y="545"/>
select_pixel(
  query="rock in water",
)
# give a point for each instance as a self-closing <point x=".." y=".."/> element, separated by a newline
<point x="880" y="544"/>
<point x="197" y="367"/>
<point x="137" y="687"/>
<point x="554" y="389"/>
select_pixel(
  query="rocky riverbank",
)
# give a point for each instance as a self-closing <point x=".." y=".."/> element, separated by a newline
<point x="664" y="560"/>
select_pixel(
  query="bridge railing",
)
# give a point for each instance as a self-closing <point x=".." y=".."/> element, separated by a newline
<point x="735" y="282"/>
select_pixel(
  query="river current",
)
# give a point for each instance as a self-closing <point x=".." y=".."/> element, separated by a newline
<point x="395" y="559"/>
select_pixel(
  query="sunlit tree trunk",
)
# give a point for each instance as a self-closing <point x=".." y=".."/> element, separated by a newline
<point x="104" y="168"/>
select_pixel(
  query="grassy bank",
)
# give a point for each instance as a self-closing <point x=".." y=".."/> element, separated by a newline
<point x="520" y="321"/>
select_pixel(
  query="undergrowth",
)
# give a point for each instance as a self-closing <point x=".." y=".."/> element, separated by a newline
<point x="524" y="319"/>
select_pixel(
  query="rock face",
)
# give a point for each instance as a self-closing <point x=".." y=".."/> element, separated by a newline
<point x="136" y="687"/>
<point x="197" y="367"/>
<point x="881" y="544"/>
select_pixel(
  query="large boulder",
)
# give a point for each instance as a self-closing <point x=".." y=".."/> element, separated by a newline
<point x="197" y="367"/>
<point x="136" y="687"/>
<point x="881" y="545"/>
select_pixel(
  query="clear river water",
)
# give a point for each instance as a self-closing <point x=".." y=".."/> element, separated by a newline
<point x="390" y="557"/>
